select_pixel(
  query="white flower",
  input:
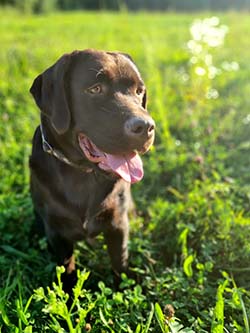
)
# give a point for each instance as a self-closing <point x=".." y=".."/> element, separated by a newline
<point x="230" y="66"/>
<point x="247" y="119"/>
<point x="196" y="30"/>
<point x="212" y="94"/>
<point x="194" y="47"/>
<point x="206" y="35"/>
<point x="215" y="36"/>
<point x="212" y="72"/>
<point x="200" y="71"/>
<point x="208" y="32"/>
<point x="235" y="66"/>
<point x="213" y="21"/>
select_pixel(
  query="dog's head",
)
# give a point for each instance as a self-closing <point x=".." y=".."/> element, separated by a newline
<point x="96" y="101"/>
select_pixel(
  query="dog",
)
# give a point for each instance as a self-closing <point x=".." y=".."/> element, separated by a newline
<point x="85" y="153"/>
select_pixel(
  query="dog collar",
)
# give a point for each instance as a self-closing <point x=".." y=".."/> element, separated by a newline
<point x="47" y="148"/>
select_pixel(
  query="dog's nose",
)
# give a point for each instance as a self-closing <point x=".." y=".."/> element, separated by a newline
<point x="139" y="127"/>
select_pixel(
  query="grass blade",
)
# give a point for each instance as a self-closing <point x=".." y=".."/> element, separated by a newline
<point x="218" y="317"/>
<point x="160" y="317"/>
<point x="150" y="317"/>
<point x="245" y="318"/>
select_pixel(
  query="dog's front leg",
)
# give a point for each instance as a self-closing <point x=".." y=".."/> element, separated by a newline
<point x="63" y="249"/>
<point x="116" y="235"/>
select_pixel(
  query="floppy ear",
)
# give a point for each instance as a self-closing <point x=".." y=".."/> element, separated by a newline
<point x="48" y="90"/>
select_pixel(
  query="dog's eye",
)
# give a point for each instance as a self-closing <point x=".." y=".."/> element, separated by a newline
<point x="139" y="91"/>
<point x="96" y="89"/>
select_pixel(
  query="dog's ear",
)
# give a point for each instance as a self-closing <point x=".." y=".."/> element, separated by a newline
<point x="48" y="90"/>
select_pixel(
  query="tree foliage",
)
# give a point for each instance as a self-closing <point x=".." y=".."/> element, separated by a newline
<point x="177" y="5"/>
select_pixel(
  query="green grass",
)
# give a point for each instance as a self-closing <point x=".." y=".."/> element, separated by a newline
<point x="190" y="240"/>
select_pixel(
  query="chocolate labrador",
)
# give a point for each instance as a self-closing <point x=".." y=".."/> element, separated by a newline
<point x="94" y="125"/>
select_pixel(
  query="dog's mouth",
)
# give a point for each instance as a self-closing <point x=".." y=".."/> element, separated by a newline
<point x="127" y="166"/>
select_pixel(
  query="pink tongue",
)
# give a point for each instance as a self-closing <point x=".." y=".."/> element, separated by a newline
<point x="129" y="167"/>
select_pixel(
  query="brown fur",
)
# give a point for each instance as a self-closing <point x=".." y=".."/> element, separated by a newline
<point x="74" y="204"/>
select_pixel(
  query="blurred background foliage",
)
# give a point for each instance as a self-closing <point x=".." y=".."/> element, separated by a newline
<point x="39" y="6"/>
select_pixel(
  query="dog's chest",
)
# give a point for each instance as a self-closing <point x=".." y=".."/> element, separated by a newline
<point x="85" y="192"/>
<point x="97" y="203"/>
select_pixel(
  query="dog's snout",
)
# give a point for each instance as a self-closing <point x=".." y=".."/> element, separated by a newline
<point x="139" y="127"/>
